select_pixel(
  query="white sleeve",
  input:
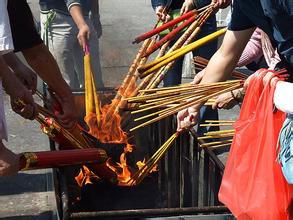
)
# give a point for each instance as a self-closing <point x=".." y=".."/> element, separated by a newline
<point x="283" y="97"/>
<point x="6" y="42"/>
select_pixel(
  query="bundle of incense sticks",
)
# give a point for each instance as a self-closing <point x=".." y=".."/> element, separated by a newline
<point x="153" y="161"/>
<point x="92" y="101"/>
<point x="216" y="139"/>
<point x="164" y="60"/>
<point x="201" y="63"/>
<point x="183" y="96"/>
<point x="186" y="38"/>
<point x="177" y="30"/>
<point x="169" y="24"/>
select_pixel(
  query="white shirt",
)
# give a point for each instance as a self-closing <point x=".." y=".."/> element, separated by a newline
<point x="283" y="97"/>
<point x="6" y="42"/>
<point x="6" y="45"/>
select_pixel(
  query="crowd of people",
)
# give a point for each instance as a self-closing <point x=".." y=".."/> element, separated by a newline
<point x="257" y="28"/>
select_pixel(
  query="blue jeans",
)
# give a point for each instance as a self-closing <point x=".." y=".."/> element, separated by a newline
<point x="174" y="75"/>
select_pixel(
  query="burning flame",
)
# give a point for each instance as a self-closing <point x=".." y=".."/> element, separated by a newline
<point x="109" y="131"/>
<point x="84" y="177"/>
<point x="141" y="164"/>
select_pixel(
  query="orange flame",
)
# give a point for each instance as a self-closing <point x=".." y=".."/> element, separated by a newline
<point x="109" y="131"/>
<point x="141" y="164"/>
<point x="84" y="177"/>
<point x="122" y="169"/>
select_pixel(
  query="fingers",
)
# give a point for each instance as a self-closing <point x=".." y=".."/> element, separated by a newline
<point x="186" y="118"/>
<point x="83" y="36"/>
<point x="198" y="77"/>
<point x="267" y="78"/>
<point x="66" y="121"/>
<point x="9" y="162"/>
<point x="215" y="105"/>
<point x="183" y="9"/>
<point x="28" y="111"/>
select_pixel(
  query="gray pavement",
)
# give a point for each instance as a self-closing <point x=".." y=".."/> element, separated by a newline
<point x="29" y="195"/>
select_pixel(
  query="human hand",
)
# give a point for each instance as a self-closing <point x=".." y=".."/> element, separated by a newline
<point x="83" y="35"/>
<point x="17" y="92"/>
<point x="187" y="117"/>
<point x="162" y="15"/>
<point x="187" y="6"/>
<point x="220" y="3"/>
<point x="225" y="101"/>
<point x="66" y="111"/>
<point x="9" y="161"/>
<point x="27" y="77"/>
<point x="198" y="77"/>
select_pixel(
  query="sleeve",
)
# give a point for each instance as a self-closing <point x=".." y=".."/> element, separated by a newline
<point x="6" y="43"/>
<point x="239" y="21"/>
<point x="156" y="3"/>
<point x="24" y="32"/>
<point x="70" y="3"/>
<point x="253" y="50"/>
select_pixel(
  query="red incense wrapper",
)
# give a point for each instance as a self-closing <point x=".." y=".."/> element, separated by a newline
<point x="54" y="159"/>
<point x="169" y="36"/>
<point x="165" y="26"/>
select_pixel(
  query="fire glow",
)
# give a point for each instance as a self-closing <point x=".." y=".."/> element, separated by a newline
<point x="109" y="130"/>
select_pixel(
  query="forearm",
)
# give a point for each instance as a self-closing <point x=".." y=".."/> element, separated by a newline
<point x="219" y="68"/>
<point x="225" y="59"/>
<point x="5" y="71"/>
<point x="14" y="62"/>
<point x="44" y="64"/>
<point x="77" y="16"/>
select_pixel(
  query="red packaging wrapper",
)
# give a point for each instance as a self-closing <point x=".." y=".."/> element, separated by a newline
<point x="54" y="159"/>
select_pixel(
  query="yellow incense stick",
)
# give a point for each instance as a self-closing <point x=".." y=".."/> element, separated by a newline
<point x="151" y="67"/>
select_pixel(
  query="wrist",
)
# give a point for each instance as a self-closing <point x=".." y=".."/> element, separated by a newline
<point x="238" y="97"/>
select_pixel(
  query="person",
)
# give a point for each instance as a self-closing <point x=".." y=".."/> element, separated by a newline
<point x="14" y="88"/>
<point x="40" y="59"/>
<point x="274" y="17"/>
<point x="174" y="75"/>
<point x="67" y="27"/>
<point x="259" y="46"/>
<point x="27" y="40"/>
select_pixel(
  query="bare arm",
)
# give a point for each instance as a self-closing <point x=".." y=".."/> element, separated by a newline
<point x="225" y="59"/>
<point x="24" y="74"/>
<point x="44" y="64"/>
<point x="219" y="68"/>
<point x="84" y="31"/>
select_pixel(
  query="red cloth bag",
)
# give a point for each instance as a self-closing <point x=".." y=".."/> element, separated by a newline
<point x="253" y="186"/>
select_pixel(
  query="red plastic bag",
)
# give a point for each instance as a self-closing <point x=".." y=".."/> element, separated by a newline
<point x="253" y="186"/>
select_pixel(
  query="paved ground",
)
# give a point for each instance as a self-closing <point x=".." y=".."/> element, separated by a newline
<point x="29" y="195"/>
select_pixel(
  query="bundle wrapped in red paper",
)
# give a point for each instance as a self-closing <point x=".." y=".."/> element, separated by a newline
<point x="54" y="159"/>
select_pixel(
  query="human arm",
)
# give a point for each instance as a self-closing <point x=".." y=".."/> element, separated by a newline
<point x="16" y="90"/>
<point x="220" y="66"/>
<point x="220" y="3"/>
<point x="9" y="161"/>
<point x="24" y="73"/>
<point x="159" y="7"/>
<point x="83" y="36"/>
<point x="44" y="64"/>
